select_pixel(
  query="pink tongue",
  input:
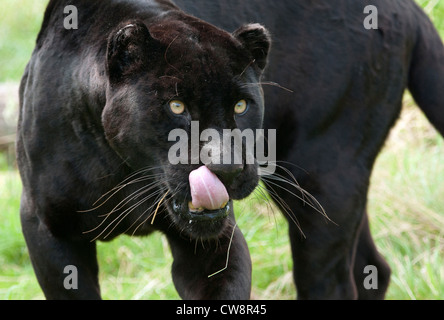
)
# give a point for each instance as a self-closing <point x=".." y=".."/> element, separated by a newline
<point x="207" y="191"/>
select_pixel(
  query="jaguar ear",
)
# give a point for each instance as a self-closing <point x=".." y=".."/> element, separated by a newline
<point x="256" y="39"/>
<point x="129" y="50"/>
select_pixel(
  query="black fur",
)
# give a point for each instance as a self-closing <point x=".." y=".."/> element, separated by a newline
<point x="93" y="139"/>
<point x="347" y="85"/>
<point x="94" y="115"/>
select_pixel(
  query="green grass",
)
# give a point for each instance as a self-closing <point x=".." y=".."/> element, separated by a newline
<point x="435" y="10"/>
<point x="16" y="274"/>
<point x="406" y="207"/>
<point x="20" y="21"/>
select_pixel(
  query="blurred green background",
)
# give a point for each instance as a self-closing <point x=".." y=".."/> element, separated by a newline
<point x="406" y="206"/>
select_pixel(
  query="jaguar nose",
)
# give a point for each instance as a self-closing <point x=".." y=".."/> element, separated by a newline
<point x="226" y="172"/>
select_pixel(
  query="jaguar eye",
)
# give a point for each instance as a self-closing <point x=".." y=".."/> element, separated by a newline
<point x="241" y="107"/>
<point x="177" y="106"/>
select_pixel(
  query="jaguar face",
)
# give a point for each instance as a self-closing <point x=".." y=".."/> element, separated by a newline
<point x="186" y="76"/>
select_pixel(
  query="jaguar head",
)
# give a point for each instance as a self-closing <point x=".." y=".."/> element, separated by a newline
<point x="177" y="88"/>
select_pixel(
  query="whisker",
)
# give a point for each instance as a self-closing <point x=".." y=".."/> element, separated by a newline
<point x="166" y="52"/>
<point x="115" y="209"/>
<point x="248" y="65"/>
<point x="261" y="193"/>
<point x="138" y="172"/>
<point x="274" y="84"/>
<point x="268" y="83"/>
<point x="133" y="196"/>
<point x="151" y="214"/>
<point x="284" y="206"/>
<point x="285" y="179"/>
<point x="125" y="213"/>
<point x="142" y="214"/>
<point x="122" y="185"/>
<point x="310" y="200"/>
<point x="158" y="205"/>
<point x="228" y="254"/>
<point x="280" y="178"/>
<point x="299" y="197"/>
<point x="289" y="163"/>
